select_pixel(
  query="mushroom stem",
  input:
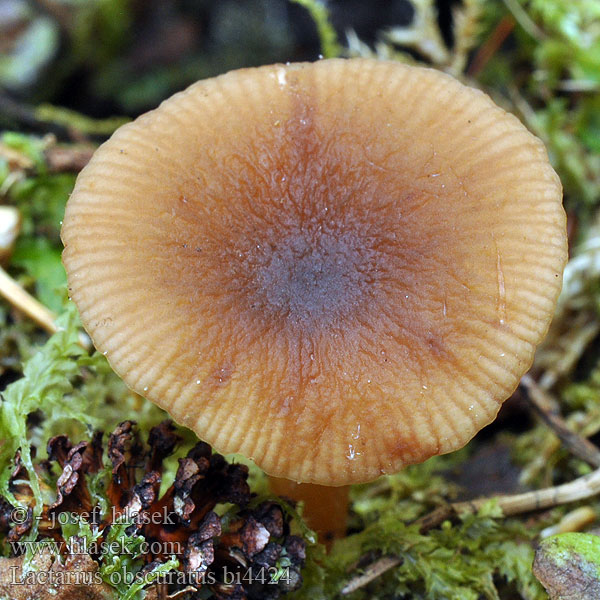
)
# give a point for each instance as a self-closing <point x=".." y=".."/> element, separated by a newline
<point x="325" y="507"/>
<point x="26" y="303"/>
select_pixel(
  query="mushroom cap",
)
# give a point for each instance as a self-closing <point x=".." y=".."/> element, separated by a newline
<point x="336" y="269"/>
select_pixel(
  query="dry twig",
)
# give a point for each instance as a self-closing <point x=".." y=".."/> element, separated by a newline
<point x="34" y="309"/>
<point x="541" y="403"/>
<point x="26" y="303"/>
<point x="493" y="43"/>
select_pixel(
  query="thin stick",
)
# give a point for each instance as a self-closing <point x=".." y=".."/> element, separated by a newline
<point x="576" y="444"/>
<point x="373" y="571"/>
<point x="491" y="45"/>
<point x="34" y="309"/>
<point x="578" y="489"/>
<point x="578" y="85"/>
<point x="26" y="303"/>
<point x="524" y="20"/>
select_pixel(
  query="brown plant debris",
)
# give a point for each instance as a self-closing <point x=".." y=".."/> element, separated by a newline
<point x="78" y="576"/>
<point x="245" y="552"/>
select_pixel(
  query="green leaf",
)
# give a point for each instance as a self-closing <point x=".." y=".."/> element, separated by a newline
<point x="42" y="261"/>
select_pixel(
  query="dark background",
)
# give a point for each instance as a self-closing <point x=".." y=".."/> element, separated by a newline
<point x="107" y="57"/>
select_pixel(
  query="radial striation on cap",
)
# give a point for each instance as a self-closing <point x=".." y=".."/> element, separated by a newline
<point x="336" y="269"/>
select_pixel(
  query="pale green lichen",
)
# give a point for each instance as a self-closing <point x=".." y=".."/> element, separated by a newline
<point x="560" y="549"/>
<point x="568" y="565"/>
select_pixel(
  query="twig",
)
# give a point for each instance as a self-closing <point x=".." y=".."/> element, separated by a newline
<point x="443" y="513"/>
<point x="575" y="520"/>
<point x="491" y="45"/>
<point x="26" y="303"/>
<point x="541" y="403"/>
<point x="578" y="85"/>
<point x="524" y="20"/>
<point x="578" y="489"/>
<point x="570" y="345"/>
<point x="373" y="571"/>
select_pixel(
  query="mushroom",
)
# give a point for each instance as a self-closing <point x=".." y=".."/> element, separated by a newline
<point x="336" y="269"/>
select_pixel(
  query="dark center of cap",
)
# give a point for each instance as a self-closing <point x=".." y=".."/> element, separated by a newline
<point x="312" y="274"/>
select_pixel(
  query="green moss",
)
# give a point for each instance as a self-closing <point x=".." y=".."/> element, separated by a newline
<point x="330" y="46"/>
<point x="84" y="125"/>
<point x="465" y="561"/>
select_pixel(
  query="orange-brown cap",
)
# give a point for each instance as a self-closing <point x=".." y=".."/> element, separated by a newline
<point x="336" y="269"/>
